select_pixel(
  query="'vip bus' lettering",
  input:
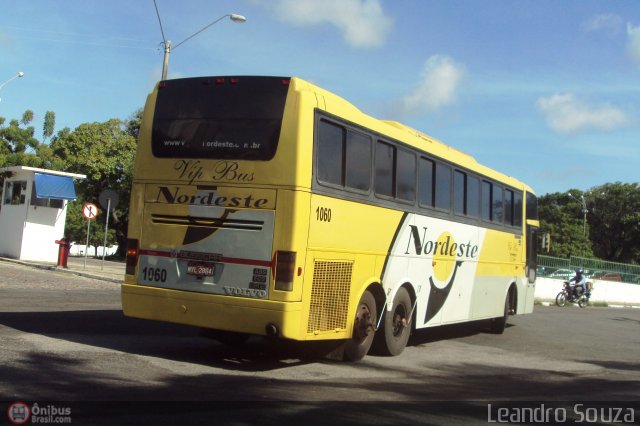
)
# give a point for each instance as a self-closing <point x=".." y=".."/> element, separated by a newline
<point x="228" y="170"/>
<point x="189" y="169"/>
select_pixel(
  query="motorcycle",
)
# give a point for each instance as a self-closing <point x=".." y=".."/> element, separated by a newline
<point x="574" y="294"/>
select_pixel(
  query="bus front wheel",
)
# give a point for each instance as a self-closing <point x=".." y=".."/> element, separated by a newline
<point x="364" y="327"/>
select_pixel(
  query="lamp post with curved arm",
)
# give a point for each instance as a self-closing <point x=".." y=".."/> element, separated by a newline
<point x="168" y="46"/>
<point x="18" y="75"/>
<point x="583" y="203"/>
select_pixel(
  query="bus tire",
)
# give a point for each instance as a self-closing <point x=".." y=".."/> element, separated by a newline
<point x="396" y="328"/>
<point x="498" y="324"/>
<point x="364" y="326"/>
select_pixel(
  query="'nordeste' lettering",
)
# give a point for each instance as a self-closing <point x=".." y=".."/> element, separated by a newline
<point x="174" y="196"/>
<point x="423" y="246"/>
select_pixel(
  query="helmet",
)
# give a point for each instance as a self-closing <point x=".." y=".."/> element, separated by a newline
<point x="579" y="271"/>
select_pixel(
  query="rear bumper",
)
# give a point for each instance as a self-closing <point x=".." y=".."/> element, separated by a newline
<point x="230" y="313"/>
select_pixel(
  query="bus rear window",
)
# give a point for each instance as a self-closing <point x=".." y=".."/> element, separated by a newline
<point x="233" y="118"/>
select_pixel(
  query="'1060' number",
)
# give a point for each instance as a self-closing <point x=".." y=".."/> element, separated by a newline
<point x="323" y="214"/>
<point x="158" y="275"/>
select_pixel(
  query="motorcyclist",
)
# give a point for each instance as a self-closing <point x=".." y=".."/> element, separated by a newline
<point x="580" y="282"/>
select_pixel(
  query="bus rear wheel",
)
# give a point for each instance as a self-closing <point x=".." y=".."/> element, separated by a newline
<point x="497" y="325"/>
<point x="396" y="329"/>
<point x="364" y="327"/>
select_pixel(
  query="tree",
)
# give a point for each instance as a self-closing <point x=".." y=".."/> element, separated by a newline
<point x="614" y="217"/>
<point x="27" y="117"/>
<point x="613" y="222"/>
<point x="18" y="146"/>
<point x="49" y="125"/>
<point x="134" y="122"/>
<point x="105" y="153"/>
<point x="561" y="217"/>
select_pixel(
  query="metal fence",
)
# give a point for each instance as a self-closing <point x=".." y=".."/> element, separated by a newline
<point x="555" y="267"/>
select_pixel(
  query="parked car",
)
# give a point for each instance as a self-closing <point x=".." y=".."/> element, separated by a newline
<point x="544" y="271"/>
<point x="590" y="273"/>
<point x="608" y="276"/>
<point x="564" y="274"/>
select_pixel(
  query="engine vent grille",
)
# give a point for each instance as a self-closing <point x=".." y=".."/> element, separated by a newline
<point x="207" y="222"/>
<point x="329" y="296"/>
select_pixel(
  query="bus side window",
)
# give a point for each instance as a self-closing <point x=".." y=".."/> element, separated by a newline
<point x="459" y="183"/>
<point x="425" y="182"/>
<point x="385" y="154"/>
<point x="487" y="191"/>
<point x="473" y="196"/>
<point x="358" y="161"/>
<point x="508" y="207"/>
<point x="443" y="187"/>
<point x="405" y="176"/>
<point x="517" y="209"/>
<point x="330" y="153"/>
<point x="497" y="203"/>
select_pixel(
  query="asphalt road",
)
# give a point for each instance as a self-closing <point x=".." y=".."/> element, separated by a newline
<point x="64" y="338"/>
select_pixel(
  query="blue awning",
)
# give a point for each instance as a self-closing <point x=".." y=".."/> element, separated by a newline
<point x="55" y="187"/>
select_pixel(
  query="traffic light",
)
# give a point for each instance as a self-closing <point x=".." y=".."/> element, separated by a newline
<point x="546" y="242"/>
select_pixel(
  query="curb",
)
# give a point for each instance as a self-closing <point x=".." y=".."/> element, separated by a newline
<point x="64" y="270"/>
<point x="613" y="305"/>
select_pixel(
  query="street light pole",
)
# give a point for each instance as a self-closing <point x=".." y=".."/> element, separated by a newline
<point x="18" y="75"/>
<point x="168" y="46"/>
<point x="583" y="202"/>
<point x="165" y="63"/>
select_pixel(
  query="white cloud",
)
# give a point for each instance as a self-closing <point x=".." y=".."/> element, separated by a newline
<point x="362" y="22"/>
<point x="633" y="43"/>
<point x="608" y="22"/>
<point x="439" y="83"/>
<point x="566" y="114"/>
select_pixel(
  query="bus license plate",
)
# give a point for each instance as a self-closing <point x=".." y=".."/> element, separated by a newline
<point x="200" y="269"/>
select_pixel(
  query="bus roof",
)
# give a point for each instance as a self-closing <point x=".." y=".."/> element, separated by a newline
<point x="339" y="106"/>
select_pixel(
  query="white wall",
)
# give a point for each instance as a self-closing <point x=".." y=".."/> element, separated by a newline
<point x="44" y="226"/>
<point x="611" y="292"/>
<point x="11" y="227"/>
<point x="79" y="249"/>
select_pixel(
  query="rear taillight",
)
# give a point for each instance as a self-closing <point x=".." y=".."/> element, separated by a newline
<point x="132" y="256"/>
<point x="285" y="270"/>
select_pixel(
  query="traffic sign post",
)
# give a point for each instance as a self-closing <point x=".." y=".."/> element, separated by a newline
<point x="108" y="199"/>
<point x="90" y="212"/>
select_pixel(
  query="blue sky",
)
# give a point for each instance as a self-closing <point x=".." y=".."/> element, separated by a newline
<point x="547" y="91"/>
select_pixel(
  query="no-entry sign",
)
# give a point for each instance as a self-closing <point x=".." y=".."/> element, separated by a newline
<point x="90" y="211"/>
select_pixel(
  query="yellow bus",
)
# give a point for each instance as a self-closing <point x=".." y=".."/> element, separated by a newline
<point x="269" y="206"/>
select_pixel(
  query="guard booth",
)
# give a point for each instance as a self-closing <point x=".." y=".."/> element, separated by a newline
<point x="33" y="209"/>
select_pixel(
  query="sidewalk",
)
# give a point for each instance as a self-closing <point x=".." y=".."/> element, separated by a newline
<point x="110" y="271"/>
